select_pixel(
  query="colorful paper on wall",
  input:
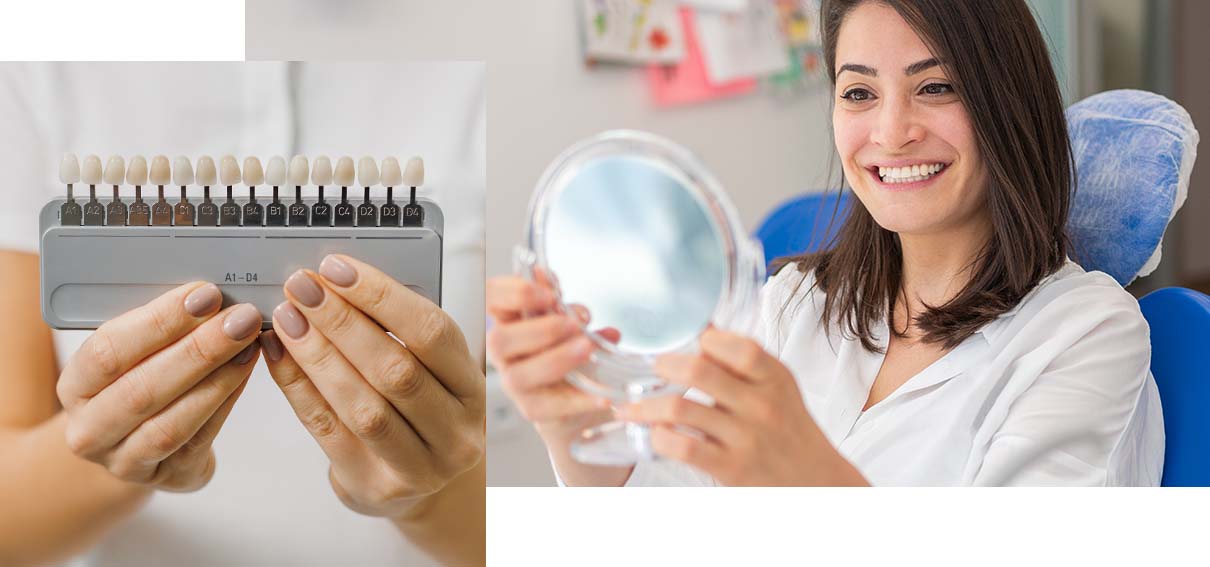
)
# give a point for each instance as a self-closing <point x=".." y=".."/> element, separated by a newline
<point x="687" y="82"/>
<point x="743" y="44"/>
<point x="632" y="31"/>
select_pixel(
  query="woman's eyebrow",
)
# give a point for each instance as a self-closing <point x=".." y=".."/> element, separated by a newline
<point x="920" y="66"/>
<point x="907" y="71"/>
<point x="861" y="69"/>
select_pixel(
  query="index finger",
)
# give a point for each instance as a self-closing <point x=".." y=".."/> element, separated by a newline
<point x="511" y="297"/>
<point x="122" y="342"/>
<point x="425" y="329"/>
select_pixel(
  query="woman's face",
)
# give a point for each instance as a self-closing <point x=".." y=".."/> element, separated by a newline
<point x="903" y="136"/>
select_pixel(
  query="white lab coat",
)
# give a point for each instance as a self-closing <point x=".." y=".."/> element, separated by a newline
<point x="1057" y="391"/>
<point x="269" y="501"/>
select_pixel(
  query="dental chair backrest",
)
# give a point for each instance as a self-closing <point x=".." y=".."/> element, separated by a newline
<point x="1133" y="152"/>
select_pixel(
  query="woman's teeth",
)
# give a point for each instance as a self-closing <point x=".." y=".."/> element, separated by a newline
<point x="909" y="174"/>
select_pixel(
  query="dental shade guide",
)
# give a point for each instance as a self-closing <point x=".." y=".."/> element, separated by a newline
<point x="161" y="175"/>
<point x="254" y="213"/>
<point x="115" y="174"/>
<point x="344" y="213"/>
<point x="300" y="213"/>
<point x="367" y="175"/>
<point x="321" y="174"/>
<point x="182" y="174"/>
<point x="206" y="175"/>
<point x="391" y="176"/>
<point x="136" y="174"/>
<point x="70" y="213"/>
<point x="413" y="176"/>
<point x="105" y="257"/>
<point x="229" y="174"/>
<point x="94" y="212"/>
<point x="275" y="175"/>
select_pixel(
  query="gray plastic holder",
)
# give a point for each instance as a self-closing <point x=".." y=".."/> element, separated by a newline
<point x="91" y="274"/>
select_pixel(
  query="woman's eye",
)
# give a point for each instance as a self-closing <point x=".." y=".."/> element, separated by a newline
<point x="857" y="95"/>
<point x="937" y="89"/>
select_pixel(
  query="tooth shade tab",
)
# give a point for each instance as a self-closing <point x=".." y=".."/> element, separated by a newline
<point x="207" y="175"/>
<point x="90" y="173"/>
<point x="275" y="171"/>
<point x="367" y="172"/>
<point x="344" y="171"/>
<point x="391" y="175"/>
<point x="413" y="174"/>
<point x="321" y="173"/>
<point x="254" y="174"/>
<point x="161" y="171"/>
<point x="136" y="171"/>
<point x="228" y="170"/>
<point x="182" y="171"/>
<point x="69" y="169"/>
<point x="299" y="167"/>
<point x="115" y="170"/>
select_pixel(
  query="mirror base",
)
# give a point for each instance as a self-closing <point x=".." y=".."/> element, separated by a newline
<point x="615" y="444"/>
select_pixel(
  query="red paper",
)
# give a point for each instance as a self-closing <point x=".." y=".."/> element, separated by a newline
<point x="687" y="82"/>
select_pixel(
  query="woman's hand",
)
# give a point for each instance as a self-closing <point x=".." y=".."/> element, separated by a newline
<point x="534" y="348"/>
<point x="758" y="431"/>
<point x="147" y="393"/>
<point x="398" y="421"/>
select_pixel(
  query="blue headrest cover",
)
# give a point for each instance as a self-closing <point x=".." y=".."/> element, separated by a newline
<point x="1133" y="152"/>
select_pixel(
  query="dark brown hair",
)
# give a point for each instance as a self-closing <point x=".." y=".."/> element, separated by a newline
<point x="997" y="61"/>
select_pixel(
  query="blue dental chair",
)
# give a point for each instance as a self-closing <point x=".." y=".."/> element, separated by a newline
<point x="1134" y="152"/>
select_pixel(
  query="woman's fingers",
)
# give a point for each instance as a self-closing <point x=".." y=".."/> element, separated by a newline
<point x="315" y="413"/>
<point x="166" y="432"/>
<point x="366" y="413"/>
<point x="669" y="442"/>
<point x="508" y="342"/>
<point x="682" y="412"/>
<point x="431" y="410"/>
<point x="701" y="373"/>
<point x="191" y="466"/>
<point x="152" y="384"/>
<point x="557" y="402"/>
<point x="741" y="356"/>
<point x="124" y="341"/>
<point x="427" y="331"/>
<point x="549" y="366"/>
<point x="511" y="297"/>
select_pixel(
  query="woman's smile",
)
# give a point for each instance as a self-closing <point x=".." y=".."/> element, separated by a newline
<point x="902" y="175"/>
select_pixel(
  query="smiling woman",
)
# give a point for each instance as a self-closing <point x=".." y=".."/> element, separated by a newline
<point x="965" y="91"/>
<point x="945" y="338"/>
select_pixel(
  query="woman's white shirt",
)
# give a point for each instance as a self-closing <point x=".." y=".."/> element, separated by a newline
<point x="1057" y="391"/>
<point x="269" y="501"/>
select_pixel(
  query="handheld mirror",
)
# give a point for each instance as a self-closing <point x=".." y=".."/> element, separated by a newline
<point x="633" y="228"/>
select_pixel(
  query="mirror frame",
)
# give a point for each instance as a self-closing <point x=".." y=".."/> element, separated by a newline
<point x="738" y="306"/>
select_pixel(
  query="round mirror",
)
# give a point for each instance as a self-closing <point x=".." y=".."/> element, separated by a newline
<point x="634" y="229"/>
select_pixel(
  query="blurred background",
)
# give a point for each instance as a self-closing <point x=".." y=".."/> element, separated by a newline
<point x="736" y="81"/>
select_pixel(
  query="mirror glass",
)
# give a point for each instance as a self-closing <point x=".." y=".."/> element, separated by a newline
<point x="627" y="240"/>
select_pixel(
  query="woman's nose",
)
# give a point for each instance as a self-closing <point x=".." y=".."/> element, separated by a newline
<point x="896" y="126"/>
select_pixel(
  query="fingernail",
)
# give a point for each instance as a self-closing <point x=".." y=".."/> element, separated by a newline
<point x="291" y="321"/>
<point x="272" y="345"/>
<point x="301" y="286"/>
<point x="245" y="355"/>
<point x="242" y="321"/>
<point x="203" y="300"/>
<point x="583" y="345"/>
<point x="337" y="271"/>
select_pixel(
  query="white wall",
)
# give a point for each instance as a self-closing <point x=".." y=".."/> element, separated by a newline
<point x="540" y="99"/>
